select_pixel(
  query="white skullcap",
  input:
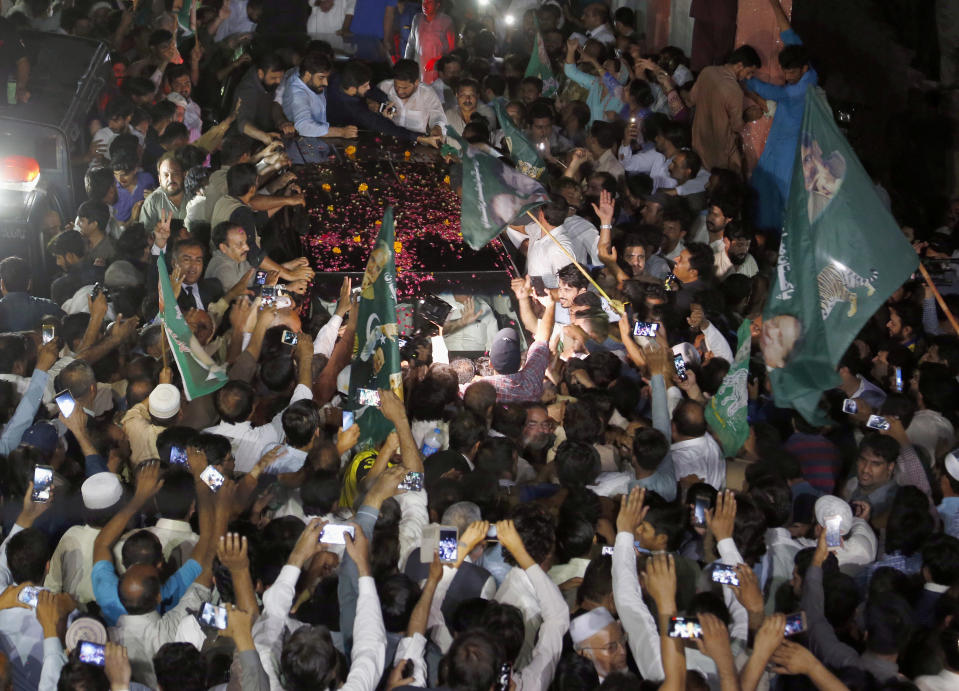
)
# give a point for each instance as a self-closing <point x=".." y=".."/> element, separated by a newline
<point x="164" y="401"/>
<point x="85" y="629"/>
<point x="829" y="505"/>
<point x="101" y="491"/>
<point x="588" y="625"/>
<point x="952" y="464"/>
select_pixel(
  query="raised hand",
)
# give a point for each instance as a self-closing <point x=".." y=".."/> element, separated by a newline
<point x="605" y="209"/>
<point x="631" y="511"/>
<point x="722" y="519"/>
<point x="232" y="552"/>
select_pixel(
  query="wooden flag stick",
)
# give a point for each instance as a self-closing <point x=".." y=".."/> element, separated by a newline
<point x="942" y="303"/>
<point x="615" y="304"/>
<point x="163" y="342"/>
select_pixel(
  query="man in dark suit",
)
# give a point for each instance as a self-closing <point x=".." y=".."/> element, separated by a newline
<point x="196" y="292"/>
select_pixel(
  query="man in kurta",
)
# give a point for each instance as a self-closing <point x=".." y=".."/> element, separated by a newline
<point x="718" y="98"/>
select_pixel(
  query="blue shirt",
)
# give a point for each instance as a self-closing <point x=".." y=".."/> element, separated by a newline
<point x="24" y="312"/>
<point x="949" y="512"/>
<point x="368" y="17"/>
<point x="106" y="588"/>
<point x="305" y="108"/>
<point x="126" y="199"/>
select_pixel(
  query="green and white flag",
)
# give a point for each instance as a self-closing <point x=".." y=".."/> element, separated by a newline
<point x="198" y="371"/>
<point x="376" y="351"/>
<point x="540" y="66"/>
<point x="726" y="413"/>
<point x="521" y="150"/>
<point x="842" y="255"/>
<point x="494" y="195"/>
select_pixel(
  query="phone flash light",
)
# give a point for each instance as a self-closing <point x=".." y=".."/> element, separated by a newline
<point x="509" y="19"/>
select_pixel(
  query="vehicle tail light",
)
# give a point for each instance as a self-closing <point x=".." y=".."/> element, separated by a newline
<point x="21" y="169"/>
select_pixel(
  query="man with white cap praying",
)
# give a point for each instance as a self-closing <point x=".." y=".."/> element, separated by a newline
<point x="859" y="542"/>
<point x="600" y="638"/>
<point x="144" y="421"/>
<point x="72" y="561"/>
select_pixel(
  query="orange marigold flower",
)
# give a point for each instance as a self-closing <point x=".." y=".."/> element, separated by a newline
<point x="397" y="246"/>
<point x="337" y="250"/>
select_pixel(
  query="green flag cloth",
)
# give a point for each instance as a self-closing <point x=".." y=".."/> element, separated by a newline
<point x="539" y="66"/>
<point x="198" y="371"/>
<point x="726" y="412"/>
<point x="376" y="352"/>
<point x="521" y="150"/>
<point x="841" y="256"/>
<point x="494" y="195"/>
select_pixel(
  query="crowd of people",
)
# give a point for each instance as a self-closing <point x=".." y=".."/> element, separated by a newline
<point x="551" y="509"/>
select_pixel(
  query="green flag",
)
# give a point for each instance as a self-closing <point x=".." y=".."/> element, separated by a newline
<point x="726" y="412"/>
<point x="494" y="195"/>
<point x="521" y="150"/>
<point x="841" y="256"/>
<point x="376" y="352"/>
<point x="539" y="65"/>
<point x="199" y="373"/>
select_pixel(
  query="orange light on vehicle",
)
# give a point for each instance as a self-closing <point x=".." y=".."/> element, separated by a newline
<point x="19" y="169"/>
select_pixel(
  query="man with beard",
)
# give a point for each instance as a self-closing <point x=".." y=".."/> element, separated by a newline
<point x="259" y="116"/>
<point x="418" y="108"/>
<point x="712" y="221"/>
<point x="731" y="254"/>
<point x="304" y="102"/>
<point x="166" y="199"/>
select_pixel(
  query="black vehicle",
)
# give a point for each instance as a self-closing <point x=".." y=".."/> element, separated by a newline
<point x="40" y="139"/>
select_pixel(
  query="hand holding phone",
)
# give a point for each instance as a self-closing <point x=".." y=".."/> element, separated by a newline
<point x="685" y="628"/>
<point x="66" y="403"/>
<point x="42" y="483"/>
<point x="333" y="533"/>
<point x="92" y="653"/>
<point x="213" y="616"/>
<point x="833" y="531"/>
<point x="212" y="477"/>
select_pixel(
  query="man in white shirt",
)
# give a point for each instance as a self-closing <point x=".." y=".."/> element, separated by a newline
<point x="471" y="325"/>
<point x="418" y="108"/>
<point x="731" y="253"/>
<point x="686" y="168"/>
<point x="859" y="542"/>
<point x="330" y="17"/>
<point x="543" y="256"/>
<point x="694" y="452"/>
<point x="948" y="678"/>
<point x="241" y="20"/>
<point x="596" y="21"/>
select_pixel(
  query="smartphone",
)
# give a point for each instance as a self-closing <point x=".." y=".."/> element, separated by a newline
<point x="28" y="595"/>
<point x="795" y="623"/>
<point x="42" y="483"/>
<point x="541" y="146"/>
<point x="288" y="338"/>
<point x="66" y="403"/>
<point x="447" y="547"/>
<point x="725" y="574"/>
<point x="833" y="535"/>
<point x="607" y="551"/>
<point x="401" y="342"/>
<point x="877" y="422"/>
<point x="408" y="669"/>
<point x="680" y="365"/>
<point x="267" y="291"/>
<point x="412" y="482"/>
<point x="92" y="653"/>
<point x="260" y="278"/>
<point x="333" y="533"/>
<point x="502" y="679"/>
<point x="671" y="283"/>
<point x="213" y="616"/>
<point x="348" y="419"/>
<point x="212" y="477"/>
<point x="685" y="627"/>
<point x="647" y="329"/>
<point x="849" y="406"/>
<point x="538" y="285"/>
<point x="47" y="333"/>
<point x="491" y="533"/>
<point x="368" y="397"/>
<point x="897" y="381"/>
<point x="699" y="511"/>
<point x="178" y="455"/>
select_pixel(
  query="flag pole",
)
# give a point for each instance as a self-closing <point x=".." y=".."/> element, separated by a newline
<point x="615" y="304"/>
<point x="163" y="338"/>
<point x="939" y="299"/>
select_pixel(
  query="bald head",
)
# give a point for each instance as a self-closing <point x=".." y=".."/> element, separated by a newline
<point x="689" y="420"/>
<point x="140" y="589"/>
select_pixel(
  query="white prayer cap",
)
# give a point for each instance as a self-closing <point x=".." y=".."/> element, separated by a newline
<point x="85" y="629"/>
<point x="829" y="505"/>
<point x="588" y="625"/>
<point x="164" y="401"/>
<point x="952" y="464"/>
<point x="101" y="491"/>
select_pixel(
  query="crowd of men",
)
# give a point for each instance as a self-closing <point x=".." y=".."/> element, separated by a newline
<point x="553" y="513"/>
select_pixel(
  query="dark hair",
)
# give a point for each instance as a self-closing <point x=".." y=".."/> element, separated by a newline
<point x="234" y="402"/>
<point x="215" y="446"/>
<point x="701" y="259"/>
<point x="269" y="61"/>
<point x="773" y="498"/>
<point x="240" y="178"/>
<point x="666" y="519"/>
<point x="536" y="529"/>
<point x="406" y="71"/>
<point x="949" y="644"/>
<point x="555" y="210"/>
<point x="354" y="75"/>
<point x="692" y="160"/>
<point x="234" y="147"/>
<point x="890" y="622"/>
<point x="142" y="547"/>
<point x="574" y="673"/>
<point x="505" y="623"/>
<point x="940" y="555"/>
<point x="97" y="182"/>
<point x="901" y="406"/>
<point x="572" y="276"/>
<point x="69" y="241"/>
<point x="466" y="429"/>
<point x="315" y="63"/>
<point x="301" y="419"/>
<point x="27" y="555"/>
<point x="597" y="580"/>
<point x="793" y="57"/>
<point x="689" y="418"/>
<point x="430" y="397"/>
<point x="222" y="231"/>
<point x="180" y="666"/>
<point x="604" y="133"/>
<point x="320" y="492"/>
<point x="495" y="455"/>
<point x="309" y="660"/>
<point x="749" y="529"/>
<point x="746" y="56"/>
<point x="398" y="595"/>
<point x="574" y="538"/>
<point x="577" y="464"/>
<point x="883" y="446"/>
<point x="119" y="108"/>
<point x="471" y="663"/>
<point x="641" y="93"/>
<point x="173" y="131"/>
<point x="15" y="274"/>
<point x="175" y="498"/>
<point x="95" y="211"/>
<point x="79" y="676"/>
<point x="676" y="133"/>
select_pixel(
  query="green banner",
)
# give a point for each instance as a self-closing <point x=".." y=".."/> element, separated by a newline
<point x="200" y="374"/>
<point x="376" y="353"/>
<point x="726" y="413"/>
<point x="539" y="65"/>
<point x="842" y="255"/>
<point x="521" y="150"/>
<point x="494" y="195"/>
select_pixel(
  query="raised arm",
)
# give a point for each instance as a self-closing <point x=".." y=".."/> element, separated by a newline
<point x="781" y="19"/>
<point x="148" y="483"/>
<point x="393" y="410"/>
<point x="768" y="638"/>
<point x="661" y="584"/>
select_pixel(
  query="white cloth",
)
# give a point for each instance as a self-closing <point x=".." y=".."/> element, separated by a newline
<point x="543" y="256"/>
<point x="420" y="112"/>
<point x="724" y="265"/>
<point x="944" y="681"/>
<point x="604" y="34"/>
<point x="637" y="621"/>
<point x="574" y="568"/>
<point x="237" y="23"/>
<point x="538" y="673"/>
<point x="858" y="547"/>
<point x="700" y="456"/>
<point x="72" y="564"/>
<point x="694" y="185"/>
<point x="473" y="337"/>
<point x="928" y="429"/>
<point x="584" y="237"/>
<point x="321" y="23"/>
